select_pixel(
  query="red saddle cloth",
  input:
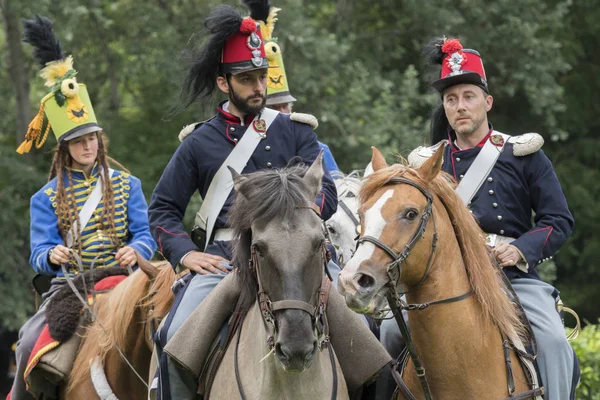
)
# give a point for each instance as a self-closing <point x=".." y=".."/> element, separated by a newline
<point x="46" y="342"/>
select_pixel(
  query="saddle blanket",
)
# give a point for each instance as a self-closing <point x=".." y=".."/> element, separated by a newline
<point x="48" y="351"/>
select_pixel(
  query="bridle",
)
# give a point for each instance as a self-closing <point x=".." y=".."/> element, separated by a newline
<point x="268" y="308"/>
<point x="394" y="272"/>
<point x="354" y="220"/>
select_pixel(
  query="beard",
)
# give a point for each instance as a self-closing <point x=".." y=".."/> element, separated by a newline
<point x="471" y="128"/>
<point x="243" y="105"/>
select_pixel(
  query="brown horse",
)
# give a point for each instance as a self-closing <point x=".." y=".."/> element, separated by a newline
<point x="128" y="315"/>
<point x="459" y="342"/>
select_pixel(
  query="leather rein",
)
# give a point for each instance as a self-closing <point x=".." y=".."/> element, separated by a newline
<point x="268" y="308"/>
<point x="394" y="271"/>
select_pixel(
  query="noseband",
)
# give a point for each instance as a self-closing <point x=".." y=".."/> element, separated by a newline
<point x="394" y="269"/>
<point x="316" y="312"/>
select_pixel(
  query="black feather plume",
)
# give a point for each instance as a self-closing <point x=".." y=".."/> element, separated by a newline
<point x="439" y="125"/>
<point x="200" y="81"/>
<point x="259" y="9"/>
<point x="433" y="51"/>
<point x="38" y="33"/>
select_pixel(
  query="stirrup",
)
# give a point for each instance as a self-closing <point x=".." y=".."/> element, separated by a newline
<point x="575" y="332"/>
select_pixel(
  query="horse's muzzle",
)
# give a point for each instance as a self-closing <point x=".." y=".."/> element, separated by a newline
<point x="360" y="292"/>
<point x="296" y="358"/>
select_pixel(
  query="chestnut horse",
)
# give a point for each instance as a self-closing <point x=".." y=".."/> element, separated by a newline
<point x="128" y="316"/>
<point x="416" y="230"/>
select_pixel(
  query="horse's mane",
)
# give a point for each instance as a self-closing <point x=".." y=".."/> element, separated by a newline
<point x="482" y="268"/>
<point x="347" y="185"/>
<point x="117" y="310"/>
<point x="265" y="195"/>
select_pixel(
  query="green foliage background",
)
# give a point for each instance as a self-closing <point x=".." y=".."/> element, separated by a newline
<point x="356" y="66"/>
<point x="587" y="347"/>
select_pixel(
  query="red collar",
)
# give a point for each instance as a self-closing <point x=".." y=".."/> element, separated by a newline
<point x="232" y="119"/>
<point x="480" y="144"/>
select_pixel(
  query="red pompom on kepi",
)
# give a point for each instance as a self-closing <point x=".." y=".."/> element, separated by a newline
<point x="248" y="26"/>
<point x="451" y="46"/>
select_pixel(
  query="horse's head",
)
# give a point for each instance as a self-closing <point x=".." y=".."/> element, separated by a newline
<point x="343" y="225"/>
<point x="396" y="221"/>
<point x="277" y="228"/>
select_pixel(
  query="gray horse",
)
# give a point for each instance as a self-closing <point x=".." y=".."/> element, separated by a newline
<point x="278" y="228"/>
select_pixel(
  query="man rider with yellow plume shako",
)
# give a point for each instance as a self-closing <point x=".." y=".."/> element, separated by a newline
<point x="279" y="96"/>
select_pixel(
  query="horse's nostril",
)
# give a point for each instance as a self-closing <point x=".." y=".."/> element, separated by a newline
<point x="280" y="353"/>
<point x="366" y="281"/>
<point x="311" y="355"/>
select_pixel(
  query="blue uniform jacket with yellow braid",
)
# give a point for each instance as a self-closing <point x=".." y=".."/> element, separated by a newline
<point x="131" y="221"/>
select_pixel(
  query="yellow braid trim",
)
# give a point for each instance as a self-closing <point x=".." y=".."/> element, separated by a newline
<point x="40" y="142"/>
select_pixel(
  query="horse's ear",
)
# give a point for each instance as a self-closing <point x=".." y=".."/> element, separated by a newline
<point x="238" y="179"/>
<point x="368" y="170"/>
<point x="433" y="165"/>
<point x="378" y="160"/>
<point x="314" y="175"/>
<point x="150" y="270"/>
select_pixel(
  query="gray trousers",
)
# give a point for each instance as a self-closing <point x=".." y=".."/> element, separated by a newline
<point x="182" y="386"/>
<point x="28" y="336"/>
<point x="555" y="356"/>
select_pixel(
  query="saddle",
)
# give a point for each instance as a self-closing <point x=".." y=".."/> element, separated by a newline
<point x="52" y="357"/>
<point x="353" y="342"/>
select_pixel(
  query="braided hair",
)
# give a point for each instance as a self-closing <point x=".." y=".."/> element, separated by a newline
<point x="66" y="205"/>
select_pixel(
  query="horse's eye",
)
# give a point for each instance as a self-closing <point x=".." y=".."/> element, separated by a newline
<point x="411" y="215"/>
<point x="331" y="229"/>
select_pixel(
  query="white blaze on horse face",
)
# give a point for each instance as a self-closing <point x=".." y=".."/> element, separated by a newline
<point x="374" y="223"/>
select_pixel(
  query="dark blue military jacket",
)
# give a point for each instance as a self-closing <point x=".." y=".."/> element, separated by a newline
<point x="197" y="160"/>
<point x="503" y="205"/>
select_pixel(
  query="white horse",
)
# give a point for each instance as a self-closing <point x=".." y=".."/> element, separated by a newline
<point x="343" y="226"/>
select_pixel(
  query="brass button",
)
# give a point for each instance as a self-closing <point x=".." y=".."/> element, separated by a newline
<point x="461" y="176"/>
<point x="495" y="205"/>
<point x="457" y="159"/>
<point x="86" y="184"/>
<point x="268" y="148"/>
<point x="232" y="129"/>
<point x="491" y="192"/>
<point x="269" y="165"/>
<point x="499" y="217"/>
<point x="490" y="179"/>
<point x="235" y="140"/>
<point x="502" y="231"/>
